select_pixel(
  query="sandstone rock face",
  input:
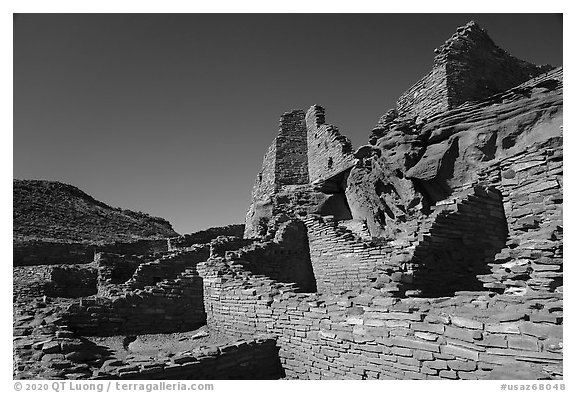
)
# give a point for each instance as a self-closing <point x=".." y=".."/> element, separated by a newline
<point x="449" y="151"/>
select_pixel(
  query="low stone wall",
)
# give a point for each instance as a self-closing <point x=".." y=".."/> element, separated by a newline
<point x="139" y="247"/>
<point x="30" y="281"/>
<point x="68" y="281"/>
<point x="204" y="236"/>
<point x="170" y="306"/>
<point x="473" y="335"/>
<point x="286" y="258"/>
<point x="255" y="358"/>
<point x="168" y="267"/>
<point x="51" y="253"/>
<point x="340" y="261"/>
<point x="72" y="282"/>
<point x="116" y="269"/>
<point x="223" y="244"/>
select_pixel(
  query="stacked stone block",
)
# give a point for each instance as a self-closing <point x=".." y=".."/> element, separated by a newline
<point x="291" y="158"/>
<point x="427" y="97"/>
<point x="467" y="67"/>
<point x="51" y="253"/>
<point x="114" y="269"/>
<point x="340" y="260"/>
<point x="329" y="152"/>
<point x="72" y="281"/>
<point x="204" y="236"/>
<point x="245" y="359"/>
<point x="305" y="151"/>
<point x="167" y="267"/>
<point x="473" y="335"/>
<point x="531" y="183"/>
<point x="169" y="306"/>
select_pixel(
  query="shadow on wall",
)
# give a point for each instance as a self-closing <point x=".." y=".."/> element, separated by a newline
<point x="430" y="175"/>
<point x="460" y="244"/>
<point x="286" y="259"/>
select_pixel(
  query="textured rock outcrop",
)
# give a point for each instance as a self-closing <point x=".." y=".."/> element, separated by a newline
<point x="419" y="165"/>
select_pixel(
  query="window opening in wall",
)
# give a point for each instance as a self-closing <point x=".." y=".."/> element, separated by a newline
<point x="330" y="162"/>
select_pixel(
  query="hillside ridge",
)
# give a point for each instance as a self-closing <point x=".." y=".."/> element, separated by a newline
<point x="59" y="212"/>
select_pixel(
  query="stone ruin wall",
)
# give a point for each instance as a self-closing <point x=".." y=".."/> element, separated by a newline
<point x="340" y="260"/>
<point x="467" y="67"/>
<point x="306" y="150"/>
<point x="264" y="186"/>
<point x="254" y="358"/>
<point x="168" y="267"/>
<point x="476" y="68"/>
<point x="532" y="187"/>
<point x="427" y="97"/>
<point x="169" y="306"/>
<point x="329" y="152"/>
<point x="285" y="259"/>
<point x="510" y="328"/>
<point x="204" y="236"/>
<point x="494" y="247"/>
<point x="291" y="158"/>
<point x="371" y="335"/>
<point x="473" y="335"/>
<point x="52" y="253"/>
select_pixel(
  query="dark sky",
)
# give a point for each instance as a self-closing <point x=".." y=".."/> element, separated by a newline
<point x="172" y="114"/>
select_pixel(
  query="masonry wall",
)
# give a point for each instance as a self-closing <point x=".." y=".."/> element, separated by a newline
<point x="474" y="335"/>
<point x="291" y="150"/>
<point x="169" y="306"/>
<point x="459" y="245"/>
<point x="168" y="267"/>
<point x="116" y="269"/>
<point x="30" y="281"/>
<point x="139" y="247"/>
<point x="426" y="97"/>
<point x="329" y="152"/>
<point x="476" y="68"/>
<point x="340" y="261"/>
<point x="532" y="187"/>
<point x="204" y="236"/>
<point x="264" y="186"/>
<point x="285" y="259"/>
<point x="72" y="282"/>
<point x="467" y="67"/>
<point x="50" y="253"/>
